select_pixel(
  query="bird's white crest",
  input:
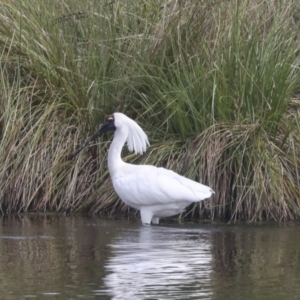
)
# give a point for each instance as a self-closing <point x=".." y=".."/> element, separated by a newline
<point x="137" y="140"/>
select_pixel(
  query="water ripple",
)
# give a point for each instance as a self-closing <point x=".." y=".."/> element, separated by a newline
<point x="159" y="263"/>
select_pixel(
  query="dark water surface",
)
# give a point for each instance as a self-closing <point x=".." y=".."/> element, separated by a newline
<point x="61" y="257"/>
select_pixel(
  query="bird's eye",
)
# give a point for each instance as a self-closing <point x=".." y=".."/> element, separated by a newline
<point x="110" y="119"/>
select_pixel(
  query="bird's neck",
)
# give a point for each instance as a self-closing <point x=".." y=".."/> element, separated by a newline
<point x="114" y="153"/>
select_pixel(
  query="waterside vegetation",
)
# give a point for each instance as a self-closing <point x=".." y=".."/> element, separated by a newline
<point x="215" y="84"/>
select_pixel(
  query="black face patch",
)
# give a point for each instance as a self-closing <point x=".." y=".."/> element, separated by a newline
<point x="108" y="125"/>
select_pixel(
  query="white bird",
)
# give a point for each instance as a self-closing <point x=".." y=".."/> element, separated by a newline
<point x="155" y="192"/>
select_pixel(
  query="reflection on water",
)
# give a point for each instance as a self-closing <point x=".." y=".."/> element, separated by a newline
<point x="77" y="257"/>
<point x="159" y="263"/>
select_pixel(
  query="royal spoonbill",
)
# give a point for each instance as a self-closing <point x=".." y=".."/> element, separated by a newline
<point x="155" y="192"/>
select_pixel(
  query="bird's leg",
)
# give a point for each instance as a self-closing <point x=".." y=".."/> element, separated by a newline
<point x="155" y="220"/>
<point x="146" y="216"/>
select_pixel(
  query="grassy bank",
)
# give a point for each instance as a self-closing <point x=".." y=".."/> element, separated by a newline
<point x="215" y="84"/>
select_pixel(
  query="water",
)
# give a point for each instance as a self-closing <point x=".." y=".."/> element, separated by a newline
<point x="61" y="257"/>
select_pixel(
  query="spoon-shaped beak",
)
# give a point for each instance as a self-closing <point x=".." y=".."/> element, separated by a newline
<point x="106" y="126"/>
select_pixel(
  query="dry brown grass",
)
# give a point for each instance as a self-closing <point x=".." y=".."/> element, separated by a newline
<point x="214" y="83"/>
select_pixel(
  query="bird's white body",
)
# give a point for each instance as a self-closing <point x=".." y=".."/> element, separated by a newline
<point x="156" y="192"/>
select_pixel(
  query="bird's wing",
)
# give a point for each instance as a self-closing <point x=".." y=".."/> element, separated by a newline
<point x="149" y="185"/>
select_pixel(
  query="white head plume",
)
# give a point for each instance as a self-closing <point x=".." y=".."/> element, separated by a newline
<point x="137" y="139"/>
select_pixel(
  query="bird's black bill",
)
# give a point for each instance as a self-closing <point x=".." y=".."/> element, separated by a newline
<point x="106" y="126"/>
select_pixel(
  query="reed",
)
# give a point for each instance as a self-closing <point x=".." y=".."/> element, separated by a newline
<point x="214" y="83"/>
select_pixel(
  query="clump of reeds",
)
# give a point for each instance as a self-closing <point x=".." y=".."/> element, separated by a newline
<point x="214" y="83"/>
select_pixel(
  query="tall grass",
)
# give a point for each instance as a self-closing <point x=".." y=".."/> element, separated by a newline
<point x="214" y="83"/>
